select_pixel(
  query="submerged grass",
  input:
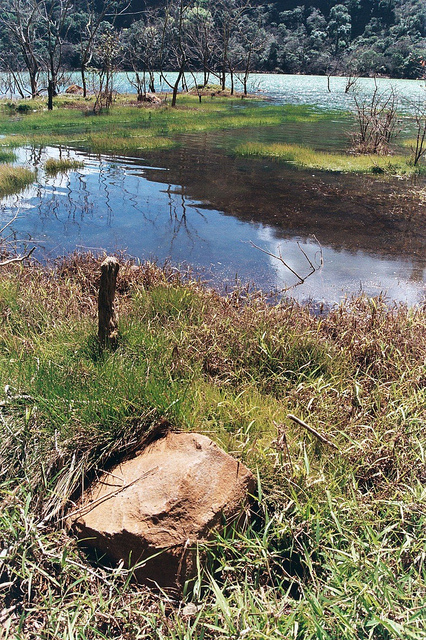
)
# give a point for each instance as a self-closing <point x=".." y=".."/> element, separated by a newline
<point x="337" y="546"/>
<point x="7" y="155"/>
<point x="131" y="127"/>
<point x="308" y="158"/>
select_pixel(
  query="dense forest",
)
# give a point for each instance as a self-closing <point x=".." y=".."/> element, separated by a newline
<point x="46" y="38"/>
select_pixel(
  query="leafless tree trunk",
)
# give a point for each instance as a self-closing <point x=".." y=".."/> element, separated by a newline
<point x="54" y="15"/>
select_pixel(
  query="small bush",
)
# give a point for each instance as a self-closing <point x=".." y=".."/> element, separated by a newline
<point x="24" y="107"/>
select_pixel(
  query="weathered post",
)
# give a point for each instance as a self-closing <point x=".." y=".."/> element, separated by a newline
<point x="107" y="314"/>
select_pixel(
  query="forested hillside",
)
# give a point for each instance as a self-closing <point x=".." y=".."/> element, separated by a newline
<point x="353" y="37"/>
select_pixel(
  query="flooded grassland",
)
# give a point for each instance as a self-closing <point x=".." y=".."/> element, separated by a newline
<point x="176" y="188"/>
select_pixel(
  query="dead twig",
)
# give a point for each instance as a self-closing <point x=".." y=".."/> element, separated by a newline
<point x="17" y="258"/>
<point x="11" y="221"/>
<point x="301" y="279"/>
<point x="316" y="433"/>
<point x="84" y="510"/>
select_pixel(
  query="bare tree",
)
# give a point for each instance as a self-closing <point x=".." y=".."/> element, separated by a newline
<point x="106" y="55"/>
<point x="54" y="16"/>
<point x="174" y="43"/>
<point x="418" y="147"/>
<point x="96" y="17"/>
<point x="22" y="21"/>
<point x="142" y="48"/>
<point x="377" y="122"/>
<point x="229" y="15"/>
<point x="201" y="38"/>
<point x="251" y="40"/>
<point x="12" y="80"/>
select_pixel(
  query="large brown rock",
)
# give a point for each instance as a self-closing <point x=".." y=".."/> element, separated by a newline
<point x="75" y="90"/>
<point x="179" y="490"/>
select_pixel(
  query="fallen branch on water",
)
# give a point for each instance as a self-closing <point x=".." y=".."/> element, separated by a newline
<point x="301" y="279"/>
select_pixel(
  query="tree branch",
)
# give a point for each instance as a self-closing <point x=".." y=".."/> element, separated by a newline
<point x="279" y="257"/>
<point x="316" y="433"/>
<point x="17" y="258"/>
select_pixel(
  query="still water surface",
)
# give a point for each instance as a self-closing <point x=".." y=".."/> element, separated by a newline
<point x="200" y="205"/>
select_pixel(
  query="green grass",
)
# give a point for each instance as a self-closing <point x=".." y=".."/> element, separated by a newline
<point x="7" y="155"/>
<point x="307" y="158"/>
<point x="53" y="166"/>
<point x="336" y="548"/>
<point x="14" y="179"/>
<point x="129" y="128"/>
<point x="337" y="541"/>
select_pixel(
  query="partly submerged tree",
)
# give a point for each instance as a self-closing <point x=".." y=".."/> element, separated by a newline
<point x="228" y="15"/>
<point x="106" y="56"/>
<point x="377" y="122"/>
<point x="250" y="39"/>
<point x="201" y="37"/>
<point x="174" y="44"/>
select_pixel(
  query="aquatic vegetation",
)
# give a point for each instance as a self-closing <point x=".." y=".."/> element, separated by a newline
<point x="7" y="155"/>
<point x="308" y="158"/>
<point x="14" y="179"/>
<point x="131" y="127"/>
<point x="338" y="536"/>
<point x="61" y="165"/>
<point x="137" y="140"/>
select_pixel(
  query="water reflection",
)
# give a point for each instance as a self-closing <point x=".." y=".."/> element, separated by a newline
<point x="205" y="208"/>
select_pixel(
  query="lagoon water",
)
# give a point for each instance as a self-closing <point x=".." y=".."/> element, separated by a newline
<point x="198" y="205"/>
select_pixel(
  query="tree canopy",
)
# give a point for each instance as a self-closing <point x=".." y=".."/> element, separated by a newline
<point x="44" y="38"/>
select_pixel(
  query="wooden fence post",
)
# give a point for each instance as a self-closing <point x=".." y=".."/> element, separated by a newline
<point x="107" y="314"/>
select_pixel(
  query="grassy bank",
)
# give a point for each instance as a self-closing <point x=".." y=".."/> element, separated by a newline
<point x="337" y="546"/>
<point x="308" y="158"/>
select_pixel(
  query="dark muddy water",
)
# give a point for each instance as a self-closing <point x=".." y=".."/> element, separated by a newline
<point x="200" y="205"/>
